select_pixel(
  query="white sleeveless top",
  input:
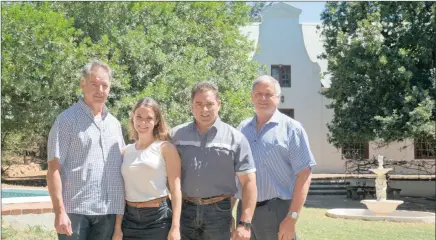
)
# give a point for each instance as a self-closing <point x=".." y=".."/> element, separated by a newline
<point x="144" y="172"/>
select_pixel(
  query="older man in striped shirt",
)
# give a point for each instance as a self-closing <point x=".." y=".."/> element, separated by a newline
<point x="283" y="161"/>
<point x="84" y="162"/>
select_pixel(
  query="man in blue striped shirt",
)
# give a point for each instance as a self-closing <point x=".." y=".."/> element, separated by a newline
<point x="283" y="161"/>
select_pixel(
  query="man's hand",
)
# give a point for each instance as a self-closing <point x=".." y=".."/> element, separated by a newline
<point x="241" y="233"/>
<point x="287" y="229"/>
<point x="63" y="224"/>
<point x="118" y="234"/>
<point x="54" y="183"/>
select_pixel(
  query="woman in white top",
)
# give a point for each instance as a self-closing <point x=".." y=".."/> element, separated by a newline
<point x="149" y="166"/>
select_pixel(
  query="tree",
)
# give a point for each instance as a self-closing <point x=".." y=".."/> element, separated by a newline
<point x="37" y="60"/>
<point x="156" y="49"/>
<point x="257" y="8"/>
<point x="40" y="61"/>
<point x="382" y="61"/>
<point x="167" y="47"/>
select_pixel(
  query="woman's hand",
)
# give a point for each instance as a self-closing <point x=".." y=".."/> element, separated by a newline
<point x="118" y="234"/>
<point x="174" y="233"/>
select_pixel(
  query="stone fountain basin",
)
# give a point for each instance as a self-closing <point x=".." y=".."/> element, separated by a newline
<point x="380" y="171"/>
<point x="396" y="216"/>
<point x="381" y="207"/>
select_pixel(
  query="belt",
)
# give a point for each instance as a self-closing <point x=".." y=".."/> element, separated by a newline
<point x="148" y="204"/>
<point x="258" y="204"/>
<point x="206" y="201"/>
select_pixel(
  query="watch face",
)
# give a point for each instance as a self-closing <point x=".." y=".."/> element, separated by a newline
<point x="293" y="215"/>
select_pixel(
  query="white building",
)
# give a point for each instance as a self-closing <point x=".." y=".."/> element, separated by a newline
<point x="289" y="50"/>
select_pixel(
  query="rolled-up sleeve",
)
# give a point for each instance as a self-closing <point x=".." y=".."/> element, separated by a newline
<point x="244" y="163"/>
<point x="299" y="150"/>
<point x="58" y="141"/>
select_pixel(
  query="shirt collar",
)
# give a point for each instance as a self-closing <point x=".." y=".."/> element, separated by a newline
<point x="275" y="118"/>
<point x="215" y="125"/>
<point x="88" y="110"/>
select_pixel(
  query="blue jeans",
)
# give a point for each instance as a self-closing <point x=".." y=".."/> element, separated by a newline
<point x="206" y="222"/>
<point x="95" y="227"/>
<point x="147" y="223"/>
<point x="267" y="218"/>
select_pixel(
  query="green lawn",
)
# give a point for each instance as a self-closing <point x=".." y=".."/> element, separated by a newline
<point x="312" y="225"/>
<point x="31" y="233"/>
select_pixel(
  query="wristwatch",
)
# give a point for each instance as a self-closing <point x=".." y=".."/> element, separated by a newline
<point x="246" y="225"/>
<point x="293" y="215"/>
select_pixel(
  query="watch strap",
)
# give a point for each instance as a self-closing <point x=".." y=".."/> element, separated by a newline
<point x="247" y="225"/>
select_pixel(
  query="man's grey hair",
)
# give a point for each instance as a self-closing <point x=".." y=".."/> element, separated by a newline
<point x="277" y="89"/>
<point x="94" y="64"/>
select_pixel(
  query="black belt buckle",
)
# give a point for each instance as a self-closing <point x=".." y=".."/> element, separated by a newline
<point x="258" y="204"/>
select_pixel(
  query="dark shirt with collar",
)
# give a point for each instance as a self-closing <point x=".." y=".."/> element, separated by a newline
<point x="211" y="161"/>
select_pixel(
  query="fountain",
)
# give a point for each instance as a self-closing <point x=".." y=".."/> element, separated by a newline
<point x="381" y="208"/>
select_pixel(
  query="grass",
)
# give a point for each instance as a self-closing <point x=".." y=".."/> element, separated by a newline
<point x="31" y="233"/>
<point x="312" y="225"/>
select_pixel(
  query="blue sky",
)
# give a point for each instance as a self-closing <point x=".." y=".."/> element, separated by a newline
<point x="310" y="11"/>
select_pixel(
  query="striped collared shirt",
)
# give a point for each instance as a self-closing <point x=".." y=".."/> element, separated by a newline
<point x="89" y="152"/>
<point x="280" y="151"/>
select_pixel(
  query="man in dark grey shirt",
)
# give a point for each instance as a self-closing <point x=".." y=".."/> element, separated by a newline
<point x="212" y="154"/>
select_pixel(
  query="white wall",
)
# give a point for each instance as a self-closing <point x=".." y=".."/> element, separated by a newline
<point x="415" y="188"/>
<point x="398" y="150"/>
<point x="331" y="159"/>
<point x="313" y="42"/>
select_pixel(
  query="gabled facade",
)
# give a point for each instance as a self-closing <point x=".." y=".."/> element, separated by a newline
<point x="290" y="52"/>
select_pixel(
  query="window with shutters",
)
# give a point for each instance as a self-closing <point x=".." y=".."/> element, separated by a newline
<point x="357" y="150"/>
<point x="282" y="73"/>
<point x="425" y="148"/>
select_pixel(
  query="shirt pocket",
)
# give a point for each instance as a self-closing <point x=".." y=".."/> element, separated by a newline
<point x="81" y="144"/>
<point x="221" y="152"/>
<point x="83" y="139"/>
<point x="110" y="132"/>
<point x="275" y="146"/>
